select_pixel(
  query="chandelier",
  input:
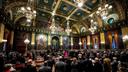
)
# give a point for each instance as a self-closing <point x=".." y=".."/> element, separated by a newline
<point x="53" y="27"/>
<point x="103" y="11"/>
<point x="79" y="3"/>
<point x="68" y="30"/>
<point x="93" y="26"/>
<point x="28" y="11"/>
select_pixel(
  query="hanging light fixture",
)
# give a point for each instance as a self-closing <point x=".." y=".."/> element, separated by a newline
<point x="103" y="11"/>
<point x="28" y="11"/>
<point x="53" y="27"/>
<point x="93" y="26"/>
<point x="68" y="30"/>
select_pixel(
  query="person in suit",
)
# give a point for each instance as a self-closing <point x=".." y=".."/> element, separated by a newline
<point x="87" y="65"/>
<point x="107" y="64"/>
<point x="45" y="68"/>
<point x="114" y="64"/>
<point x="97" y="66"/>
<point x="74" y="65"/>
<point x="29" y="67"/>
<point x="1" y="62"/>
<point x="60" y="66"/>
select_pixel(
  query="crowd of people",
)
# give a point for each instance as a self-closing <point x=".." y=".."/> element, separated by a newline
<point x="65" y="61"/>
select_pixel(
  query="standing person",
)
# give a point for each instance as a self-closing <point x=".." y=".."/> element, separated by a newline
<point x="107" y="64"/>
<point x="45" y="68"/>
<point x="87" y="65"/>
<point x="60" y="66"/>
<point x="97" y="66"/>
<point x="65" y="54"/>
<point x="114" y="64"/>
<point x="29" y="67"/>
<point x="74" y="65"/>
<point x="1" y="62"/>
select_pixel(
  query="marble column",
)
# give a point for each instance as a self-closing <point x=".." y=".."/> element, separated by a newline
<point x="49" y="41"/>
<point x="71" y="42"/>
<point x="102" y="40"/>
<point x="33" y="40"/>
<point x="61" y="42"/>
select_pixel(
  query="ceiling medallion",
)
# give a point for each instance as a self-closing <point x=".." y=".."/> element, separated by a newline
<point x="78" y="14"/>
<point x="65" y="8"/>
<point x="43" y="14"/>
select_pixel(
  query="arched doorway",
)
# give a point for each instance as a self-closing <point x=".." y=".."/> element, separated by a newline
<point x="55" y="43"/>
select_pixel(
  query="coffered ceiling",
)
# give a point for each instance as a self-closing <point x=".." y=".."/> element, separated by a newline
<point x="79" y="17"/>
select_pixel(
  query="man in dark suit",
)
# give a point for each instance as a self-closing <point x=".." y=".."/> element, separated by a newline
<point x="60" y="66"/>
<point x="29" y="67"/>
<point x="97" y="66"/>
<point x="87" y="64"/>
<point x="1" y="62"/>
<point x="45" y="68"/>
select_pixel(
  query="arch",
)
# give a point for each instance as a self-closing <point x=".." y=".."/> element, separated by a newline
<point x="85" y="25"/>
<point x="8" y="9"/>
<point x="12" y="5"/>
<point x="18" y="18"/>
<point x="74" y="30"/>
<point x="55" y="43"/>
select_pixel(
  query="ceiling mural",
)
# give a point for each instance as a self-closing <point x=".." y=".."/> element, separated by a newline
<point x="65" y="9"/>
<point x="79" y="14"/>
<point x="91" y="4"/>
<point x="79" y="20"/>
<point x="46" y="4"/>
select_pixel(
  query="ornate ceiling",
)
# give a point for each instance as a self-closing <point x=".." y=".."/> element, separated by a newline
<point x="79" y="17"/>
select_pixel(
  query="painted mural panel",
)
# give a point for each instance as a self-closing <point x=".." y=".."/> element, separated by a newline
<point x="41" y="41"/>
<point x="76" y="43"/>
<point x="112" y="39"/>
<point x="55" y="43"/>
<point x="95" y="41"/>
<point x="66" y="42"/>
<point x="88" y="41"/>
<point x="102" y="40"/>
<point x="84" y="43"/>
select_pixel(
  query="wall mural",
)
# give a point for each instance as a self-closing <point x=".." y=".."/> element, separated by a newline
<point x="55" y="43"/>
<point x="102" y="40"/>
<point x="112" y="39"/>
<point x="41" y="41"/>
<point x="84" y="43"/>
<point x="76" y="43"/>
<point x="66" y="42"/>
<point x="95" y="40"/>
<point x="88" y="41"/>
